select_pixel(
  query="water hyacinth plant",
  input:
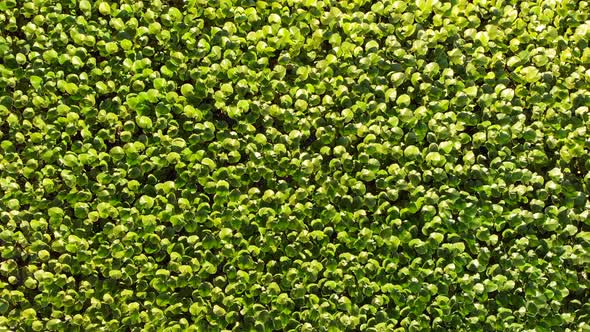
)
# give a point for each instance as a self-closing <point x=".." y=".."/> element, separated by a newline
<point x="294" y="165"/>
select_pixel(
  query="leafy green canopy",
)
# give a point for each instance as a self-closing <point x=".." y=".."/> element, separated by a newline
<point x="294" y="165"/>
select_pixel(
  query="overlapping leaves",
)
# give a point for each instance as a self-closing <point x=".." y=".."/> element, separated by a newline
<point x="294" y="165"/>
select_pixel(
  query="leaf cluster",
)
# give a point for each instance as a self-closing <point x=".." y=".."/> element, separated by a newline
<point x="297" y="165"/>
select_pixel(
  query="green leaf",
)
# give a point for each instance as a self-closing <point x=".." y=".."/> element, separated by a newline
<point x="195" y="309"/>
<point x="403" y="100"/>
<point x="36" y="82"/>
<point x="144" y="122"/>
<point x="435" y="159"/>
<point x="530" y="74"/>
<point x="584" y="236"/>
<point x="218" y="311"/>
<point x="411" y="152"/>
<point x="111" y="48"/>
<point x="85" y="6"/>
<point x="187" y="90"/>
<point x="71" y="88"/>
<point x="104" y="8"/>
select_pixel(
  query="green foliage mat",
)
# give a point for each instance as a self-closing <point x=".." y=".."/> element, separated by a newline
<point x="296" y="165"/>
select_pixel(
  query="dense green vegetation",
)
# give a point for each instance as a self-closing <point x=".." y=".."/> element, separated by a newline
<point x="297" y="165"/>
